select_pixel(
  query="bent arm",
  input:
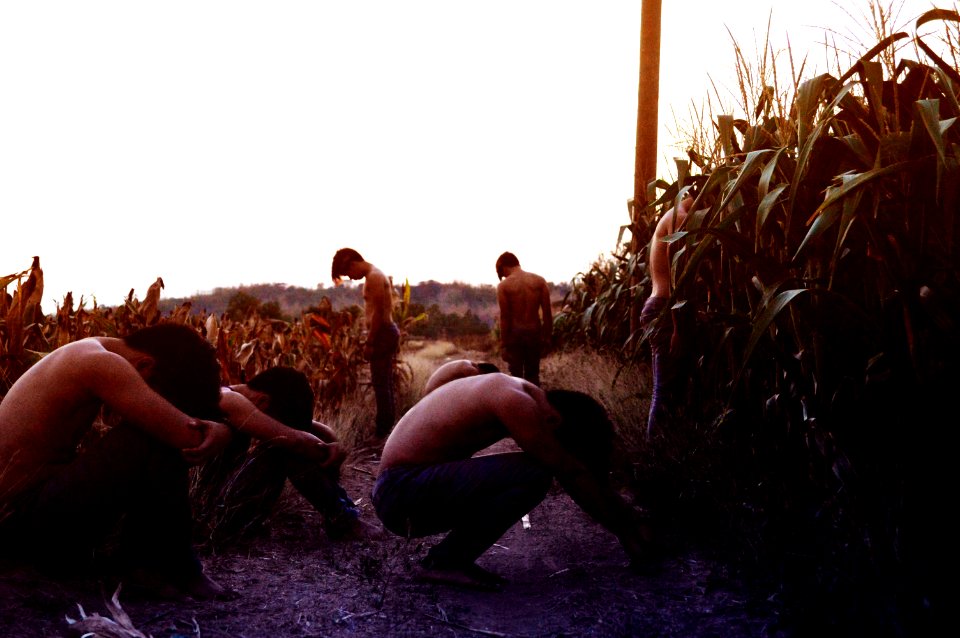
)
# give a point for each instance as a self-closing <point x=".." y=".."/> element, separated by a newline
<point x="506" y="314"/>
<point x="546" y="313"/>
<point x="120" y="387"/>
<point x="531" y="426"/>
<point x="323" y="432"/>
<point x="244" y="416"/>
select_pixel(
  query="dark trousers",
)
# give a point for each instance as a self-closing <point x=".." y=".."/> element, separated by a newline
<point x="126" y="487"/>
<point x="522" y="354"/>
<point x="239" y="490"/>
<point x="384" y="352"/>
<point x="476" y="500"/>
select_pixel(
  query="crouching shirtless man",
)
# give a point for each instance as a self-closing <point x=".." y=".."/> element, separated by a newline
<point x="273" y="411"/>
<point x="429" y="482"/>
<point x="60" y="499"/>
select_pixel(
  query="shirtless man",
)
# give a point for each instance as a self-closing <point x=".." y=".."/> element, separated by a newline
<point x="275" y="410"/>
<point x="383" y="335"/>
<point x="526" y="320"/>
<point x="429" y="482"/>
<point x="665" y="338"/>
<point x="457" y="369"/>
<point x="59" y="500"/>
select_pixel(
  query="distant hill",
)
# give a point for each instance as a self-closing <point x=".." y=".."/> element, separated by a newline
<point x="451" y="298"/>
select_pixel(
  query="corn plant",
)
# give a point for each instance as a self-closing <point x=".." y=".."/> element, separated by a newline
<point x="822" y="259"/>
<point x="323" y="343"/>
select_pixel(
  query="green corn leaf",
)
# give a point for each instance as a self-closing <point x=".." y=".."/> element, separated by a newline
<point x="760" y="327"/>
<point x="763" y="210"/>
<point x="834" y="195"/>
<point x="929" y="112"/>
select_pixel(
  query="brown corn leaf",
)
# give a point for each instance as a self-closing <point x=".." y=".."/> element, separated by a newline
<point x="149" y="308"/>
<point x="33" y="293"/>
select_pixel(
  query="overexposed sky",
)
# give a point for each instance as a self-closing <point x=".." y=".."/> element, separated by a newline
<point x="222" y="143"/>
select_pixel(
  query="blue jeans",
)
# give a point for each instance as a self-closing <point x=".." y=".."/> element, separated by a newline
<point x="670" y="367"/>
<point x="384" y="351"/>
<point x="476" y="500"/>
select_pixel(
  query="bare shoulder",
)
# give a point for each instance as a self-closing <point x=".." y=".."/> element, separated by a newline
<point x="72" y="370"/>
<point x="450" y="371"/>
<point x="376" y="277"/>
<point x="505" y="395"/>
<point x="88" y="351"/>
<point x="232" y="401"/>
<point x="477" y="390"/>
<point x="668" y="223"/>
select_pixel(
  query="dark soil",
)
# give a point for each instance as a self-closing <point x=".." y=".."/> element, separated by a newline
<point x="567" y="577"/>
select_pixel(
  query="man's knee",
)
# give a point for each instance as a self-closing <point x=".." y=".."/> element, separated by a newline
<point x="534" y="479"/>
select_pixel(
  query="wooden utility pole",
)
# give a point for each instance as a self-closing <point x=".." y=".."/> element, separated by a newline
<point x="648" y="98"/>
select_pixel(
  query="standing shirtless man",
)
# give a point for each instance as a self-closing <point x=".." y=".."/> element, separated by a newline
<point x="383" y="335"/>
<point x="666" y="340"/>
<point x="526" y="320"/>
<point x="60" y="500"/>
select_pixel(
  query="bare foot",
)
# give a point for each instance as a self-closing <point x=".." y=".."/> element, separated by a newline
<point x="202" y="587"/>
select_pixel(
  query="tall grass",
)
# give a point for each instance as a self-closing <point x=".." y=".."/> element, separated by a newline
<point x="623" y="389"/>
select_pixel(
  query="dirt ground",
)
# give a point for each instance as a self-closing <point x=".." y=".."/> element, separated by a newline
<point x="567" y="577"/>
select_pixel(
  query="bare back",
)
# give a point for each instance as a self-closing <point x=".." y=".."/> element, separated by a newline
<point x="524" y="301"/>
<point x="466" y="415"/>
<point x="659" y="254"/>
<point x="449" y="371"/>
<point x="46" y="412"/>
<point x="49" y="409"/>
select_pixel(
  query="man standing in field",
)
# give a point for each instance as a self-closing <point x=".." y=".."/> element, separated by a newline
<point x="429" y="482"/>
<point x="666" y="339"/>
<point x="526" y="320"/>
<point x="60" y="500"/>
<point x="383" y="335"/>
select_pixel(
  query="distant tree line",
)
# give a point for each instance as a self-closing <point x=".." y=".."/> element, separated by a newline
<point x="451" y="308"/>
<point x="438" y="324"/>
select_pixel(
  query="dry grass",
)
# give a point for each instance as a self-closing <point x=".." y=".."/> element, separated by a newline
<point x="424" y="349"/>
<point x="421" y="359"/>
<point x="624" y="390"/>
<point x="353" y="421"/>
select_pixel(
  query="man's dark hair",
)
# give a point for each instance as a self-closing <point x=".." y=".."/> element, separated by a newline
<point x="586" y="430"/>
<point x="291" y="397"/>
<point x="485" y="367"/>
<point x="185" y="372"/>
<point x="506" y="260"/>
<point x="342" y="260"/>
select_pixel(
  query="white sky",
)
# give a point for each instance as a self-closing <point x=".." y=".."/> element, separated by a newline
<point x="221" y="143"/>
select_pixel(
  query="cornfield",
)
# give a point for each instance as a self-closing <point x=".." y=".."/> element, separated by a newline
<point x="821" y="261"/>
<point x="323" y="343"/>
<point x="821" y="264"/>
